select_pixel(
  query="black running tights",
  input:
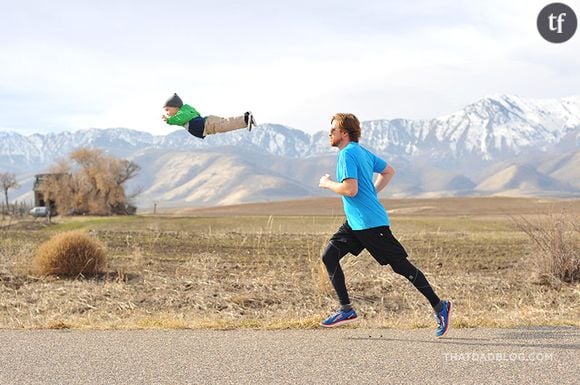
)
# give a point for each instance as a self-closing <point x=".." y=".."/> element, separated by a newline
<point x="335" y="251"/>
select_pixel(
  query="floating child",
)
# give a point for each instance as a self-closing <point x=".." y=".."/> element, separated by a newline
<point x="180" y="114"/>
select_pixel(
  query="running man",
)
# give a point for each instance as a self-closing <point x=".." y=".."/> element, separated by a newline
<point x="367" y="223"/>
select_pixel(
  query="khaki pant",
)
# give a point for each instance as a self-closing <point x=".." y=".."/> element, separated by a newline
<point x="215" y="124"/>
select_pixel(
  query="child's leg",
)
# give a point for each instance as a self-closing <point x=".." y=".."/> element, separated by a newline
<point x="215" y="124"/>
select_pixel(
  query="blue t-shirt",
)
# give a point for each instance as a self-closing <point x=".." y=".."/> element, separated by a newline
<point x="363" y="211"/>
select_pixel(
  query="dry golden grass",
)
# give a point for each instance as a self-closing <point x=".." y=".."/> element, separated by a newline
<point x="557" y="239"/>
<point x="264" y="271"/>
<point x="70" y="254"/>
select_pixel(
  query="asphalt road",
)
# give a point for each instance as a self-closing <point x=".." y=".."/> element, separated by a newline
<point x="545" y="355"/>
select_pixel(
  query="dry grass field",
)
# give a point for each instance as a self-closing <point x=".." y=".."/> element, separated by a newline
<point x="258" y="266"/>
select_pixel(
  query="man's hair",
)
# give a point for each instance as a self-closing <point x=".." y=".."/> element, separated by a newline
<point x="348" y="123"/>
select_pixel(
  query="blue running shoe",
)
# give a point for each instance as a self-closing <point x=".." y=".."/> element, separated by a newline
<point x="339" y="318"/>
<point x="443" y="318"/>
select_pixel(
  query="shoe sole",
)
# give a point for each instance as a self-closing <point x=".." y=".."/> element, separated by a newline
<point x="448" y="319"/>
<point x="339" y="323"/>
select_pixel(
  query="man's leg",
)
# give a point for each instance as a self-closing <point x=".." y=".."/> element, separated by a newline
<point x="387" y="250"/>
<point x="331" y="258"/>
<point x="418" y="279"/>
<point x="215" y="124"/>
<point x="341" y="243"/>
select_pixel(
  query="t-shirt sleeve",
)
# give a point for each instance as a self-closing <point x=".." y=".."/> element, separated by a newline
<point x="347" y="168"/>
<point x="379" y="164"/>
<point x="182" y="116"/>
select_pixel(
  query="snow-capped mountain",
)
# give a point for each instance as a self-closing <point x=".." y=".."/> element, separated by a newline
<point x="492" y="128"/>
<point x="454" y="154"/>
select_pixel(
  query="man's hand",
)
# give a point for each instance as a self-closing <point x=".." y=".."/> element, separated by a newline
<point x="324" y="181"/>
<point x="164" y="118"/>
<point x="348" y="187"/>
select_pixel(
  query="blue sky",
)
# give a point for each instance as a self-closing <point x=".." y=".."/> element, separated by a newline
<point x="69" y="65"/>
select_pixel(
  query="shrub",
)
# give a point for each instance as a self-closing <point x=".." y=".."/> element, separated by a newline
<point x="557" y="240"/>
<point x="70" y="254"/>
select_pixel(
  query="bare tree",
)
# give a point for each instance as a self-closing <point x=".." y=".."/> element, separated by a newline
<point x="90" y="182"/>
<point x="8" y="181"/>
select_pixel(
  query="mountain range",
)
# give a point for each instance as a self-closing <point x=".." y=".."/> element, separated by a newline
<point x="499" y="145"/>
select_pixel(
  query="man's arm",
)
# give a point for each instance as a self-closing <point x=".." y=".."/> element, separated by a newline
<point x="348" y="187"/>
<point x="384" y="178"/>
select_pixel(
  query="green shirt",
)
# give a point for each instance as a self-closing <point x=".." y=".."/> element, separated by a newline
<point x="184" y="115"/>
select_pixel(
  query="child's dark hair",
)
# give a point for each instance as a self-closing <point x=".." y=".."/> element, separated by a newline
<point x="174" y="101"/>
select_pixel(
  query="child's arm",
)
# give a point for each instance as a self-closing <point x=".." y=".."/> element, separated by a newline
<point x="184" y="115"/>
